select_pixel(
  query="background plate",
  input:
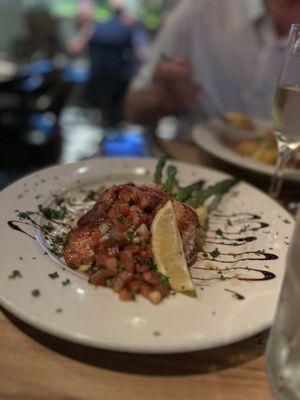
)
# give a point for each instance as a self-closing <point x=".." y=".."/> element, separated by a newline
<point x="210" y="140"/>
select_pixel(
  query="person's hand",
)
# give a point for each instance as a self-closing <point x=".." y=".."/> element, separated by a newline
<point x="173" y="79"/>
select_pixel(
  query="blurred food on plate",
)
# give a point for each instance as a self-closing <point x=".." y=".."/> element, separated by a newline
<point x="260" y="146"/>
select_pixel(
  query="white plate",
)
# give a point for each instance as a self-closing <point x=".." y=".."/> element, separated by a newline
<point x="210" y="140"/>
<point x="96" y="317"/>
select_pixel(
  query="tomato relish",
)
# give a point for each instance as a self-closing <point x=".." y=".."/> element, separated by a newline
<point x="124" y="259"/>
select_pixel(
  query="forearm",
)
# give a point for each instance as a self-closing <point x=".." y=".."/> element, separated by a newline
<point x="80" y="41"/>
<point x="147" y="106"/>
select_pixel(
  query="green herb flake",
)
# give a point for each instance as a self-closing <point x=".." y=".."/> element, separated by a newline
<point x="260" y="252"/>
<point x="132" y="235"/>
<point x="53" y="275"/>
<point x="154" y="267"/>
<point x="47" y="228"/>
<point x="219" y="232"/>
<point x="222" y="278"/>
<point x="35" y="293"/>
<point x="164" y="280"/>
<point x="60" y="240"/>
<point x="66" y="282"/>
<point x="23" y="215"/>
<point x="156" y="333"/>
<point x="15" y="274"/>
<point x="54" y="250"/>
<point x="59" y="310"/>
<point x="215" y="253"/>
<point x="52" y="213"/>
<point x="119" y="216"/>
<point x="91" y="196"/>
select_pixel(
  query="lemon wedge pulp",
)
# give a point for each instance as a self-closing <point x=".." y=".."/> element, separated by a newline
<point x="168" y="250"/>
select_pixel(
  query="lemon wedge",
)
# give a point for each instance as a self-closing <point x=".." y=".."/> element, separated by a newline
<point x="168" y="251"/>
<point x="202" y="215"/>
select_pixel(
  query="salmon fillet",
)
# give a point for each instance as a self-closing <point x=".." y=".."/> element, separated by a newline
<point x="84" y="242"/>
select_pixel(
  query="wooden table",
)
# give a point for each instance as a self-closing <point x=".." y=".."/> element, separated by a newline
<point x="36" y="366"/>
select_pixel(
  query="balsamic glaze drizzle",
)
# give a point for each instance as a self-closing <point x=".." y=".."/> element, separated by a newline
<point x="14" y="225"/>
<point x="265" y="257"/>
<point x="247" y="222"/>
<point x="237" y="295"/>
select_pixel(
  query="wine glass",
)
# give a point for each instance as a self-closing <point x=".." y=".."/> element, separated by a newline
<point x="286" y="109"/>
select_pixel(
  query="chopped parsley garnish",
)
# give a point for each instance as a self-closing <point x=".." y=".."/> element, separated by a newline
<point x="51" y="213"/>
<point x="119" y="216"/>
<point x="55" y="250"/>
<point x="91" y="196"/>
<point x="222" y="278"/>
<point x="215" y="253"/>
<point x="22" y="215"/>
<point x="66" y="282"/>
<point x="156" y="333"/>
<point x="36" y="293"/>
<point x="164" y="280"/>
<point x="47" y="228"/>
<point x="219" y="232"/>
<point x="59" y="310"/>
<point x="53" y="275"/>
<point x="154" y="267"/>
<point x="15" y="274"/>
<point x="60" y="240"/>
<point x="244" y="229"/>
<point x="260" y="252"/>
<point x="132" y="235"/>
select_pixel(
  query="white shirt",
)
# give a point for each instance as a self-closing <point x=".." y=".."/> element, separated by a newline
<point x="232" y="46"/>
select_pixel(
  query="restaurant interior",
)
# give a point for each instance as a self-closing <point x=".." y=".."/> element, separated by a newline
<point x="204" y="96"/>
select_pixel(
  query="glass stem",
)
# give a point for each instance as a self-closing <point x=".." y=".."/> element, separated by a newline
<point x="284" y="156"/>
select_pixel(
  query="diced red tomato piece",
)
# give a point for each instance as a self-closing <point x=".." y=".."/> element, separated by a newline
<point x="111" y="263"/>
<point x="100" y="259"/>
<point x="126" y="295"/>
<point x="124" y="209"/>
<point x="126" y="259"/>
<point x="135" y="286"/>
<point x="148" y="250"/>
<point x="149" y="278"/>
<point x="144" y="202"/>
<point x="140" y="269"/>
<point x="134" y="249"/>
<point x="97" y="281"/>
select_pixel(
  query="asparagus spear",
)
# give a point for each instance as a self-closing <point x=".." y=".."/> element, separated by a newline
<point x="186" y="192"/>
<point x="159" y="169"/>
<point x="171" y="180"/>
<point x="199" y="197"/>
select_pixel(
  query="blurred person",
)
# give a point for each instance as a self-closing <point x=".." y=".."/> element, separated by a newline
<point x="112" y="61"/>
<point x="214" y="56"/>
<point x="40" y="39"/>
